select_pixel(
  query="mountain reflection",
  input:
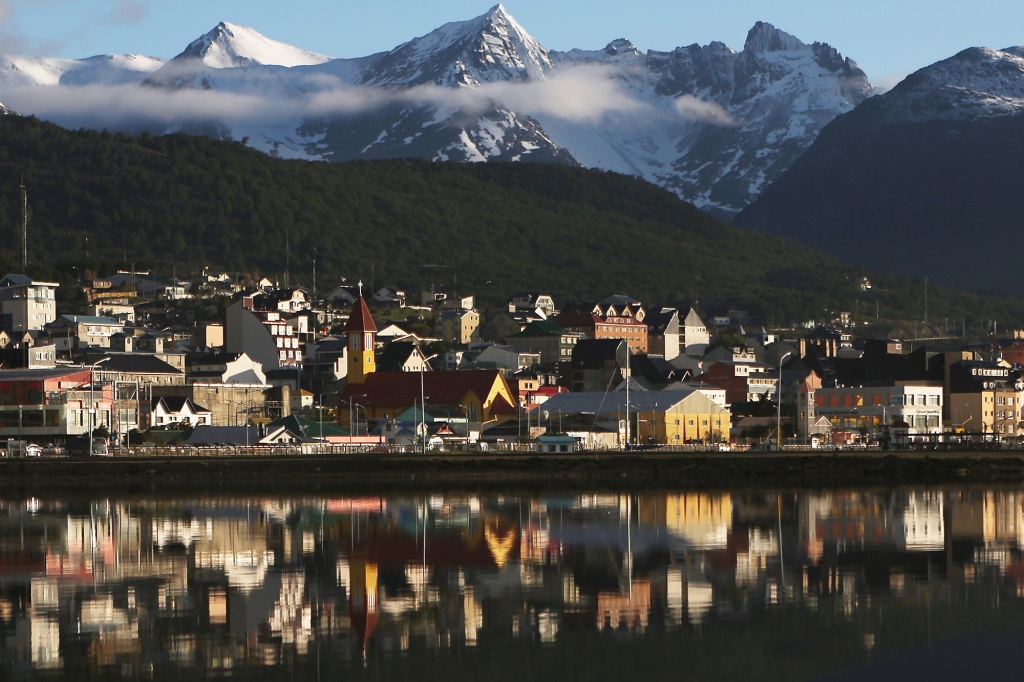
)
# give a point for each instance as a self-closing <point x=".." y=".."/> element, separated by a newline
<point x="211" y="586"/>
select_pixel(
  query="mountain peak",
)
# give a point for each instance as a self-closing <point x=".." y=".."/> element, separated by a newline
<point x="230" y="45"/>
<point x="490" y="47"/>
<point x="764" y="37"/>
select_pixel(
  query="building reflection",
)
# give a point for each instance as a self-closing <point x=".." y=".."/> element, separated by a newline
<point x="214" y="585"/>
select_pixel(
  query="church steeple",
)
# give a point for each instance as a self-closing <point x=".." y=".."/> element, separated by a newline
<point x="361" y="333"/>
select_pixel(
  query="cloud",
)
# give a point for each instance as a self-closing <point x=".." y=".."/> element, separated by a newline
<point x="885" y="84"/>
<point x="691" y="108"/>
<point x="586" y="95"/>
<point x="128" y="12"/>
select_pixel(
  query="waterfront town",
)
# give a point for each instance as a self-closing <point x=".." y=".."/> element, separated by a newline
<point x="223" y="363"/>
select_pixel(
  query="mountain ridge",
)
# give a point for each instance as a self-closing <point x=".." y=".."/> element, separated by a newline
<point x="484" y="89"/>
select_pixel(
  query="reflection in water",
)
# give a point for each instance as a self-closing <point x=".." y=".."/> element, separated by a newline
<point x="504" y="586"/>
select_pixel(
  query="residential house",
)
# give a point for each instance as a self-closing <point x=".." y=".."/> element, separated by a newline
<point x="547" y="338"/>
<point x="541" y="305"/>
<point x="390" y="294"/>
<point x="70" y="332"/>
<point x="178" y="411"/>
<point x="226" y="368"/>
<point x="402" y="356"/>
<point x="459" y="326"/>
<point x="663" y="333"/>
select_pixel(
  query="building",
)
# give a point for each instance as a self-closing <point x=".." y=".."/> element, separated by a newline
<point x="616" y="317"/>
<point x="53" y="404"/>
<point x="26" y="304"/>
<point x="361" y="335"/>
<point x="648" y="417"/>
<point x="893" y="412"/>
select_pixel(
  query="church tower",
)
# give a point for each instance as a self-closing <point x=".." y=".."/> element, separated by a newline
<point x="361" y="333"/>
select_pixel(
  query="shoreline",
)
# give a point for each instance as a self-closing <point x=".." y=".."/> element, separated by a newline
<point x="362" y="473"/>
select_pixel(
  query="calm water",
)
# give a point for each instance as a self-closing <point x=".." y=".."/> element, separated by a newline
<point x="849" y="584"/>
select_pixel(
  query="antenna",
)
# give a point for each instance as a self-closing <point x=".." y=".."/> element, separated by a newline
<point x="24" y="226"/>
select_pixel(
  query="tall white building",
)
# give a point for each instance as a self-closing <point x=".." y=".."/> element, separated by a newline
<point x="30" y="304"/>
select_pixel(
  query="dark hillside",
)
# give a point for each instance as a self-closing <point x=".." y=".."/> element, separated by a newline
<point x="179" y="203"/>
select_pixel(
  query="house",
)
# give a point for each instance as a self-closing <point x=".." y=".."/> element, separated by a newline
<point x="26" y="304"/>
<point x="695" y="337"/>
<point x="226" y="368"/>
<point x="281" y="300"/>
<point x="663" y="333"/>
<point x="547" y="338"/>
<point x="458" y="327"/>
<point x="83" y="331"/>
<point x="390" y="294"/>
<point x="402" y="356"/>
<point x="532" y="302"/>
<point x="171" y="410"/>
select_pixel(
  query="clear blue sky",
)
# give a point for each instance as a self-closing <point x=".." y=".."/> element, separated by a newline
<point x="889" y="38"/>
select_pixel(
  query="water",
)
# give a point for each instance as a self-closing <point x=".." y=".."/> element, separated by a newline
<point x="773" y="584"/>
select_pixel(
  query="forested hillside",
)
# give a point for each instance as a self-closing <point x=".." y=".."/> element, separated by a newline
<point x="180" y="203"/>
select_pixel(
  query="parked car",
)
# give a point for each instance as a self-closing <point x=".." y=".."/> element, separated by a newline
<point x="33" y="450"/>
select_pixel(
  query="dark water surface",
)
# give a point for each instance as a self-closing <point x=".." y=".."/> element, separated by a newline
<point x="907" y="583"/>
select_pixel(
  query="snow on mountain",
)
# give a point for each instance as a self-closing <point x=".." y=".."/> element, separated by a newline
<point x="6" y="111"/>
<point x="740" y="118"/>
<point x="102" y="69"/>
<point x="976" y="82"/>
<point x="712" y="124"/>
<point x="921" y="165"/>
<point x="490" y="48"/>
<point x="230" y="46"/>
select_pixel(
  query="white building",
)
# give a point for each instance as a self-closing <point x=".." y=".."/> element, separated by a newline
<point x="31" y="304"/>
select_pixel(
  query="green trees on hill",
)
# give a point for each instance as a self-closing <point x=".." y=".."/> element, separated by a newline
<point x="179" y="203"/>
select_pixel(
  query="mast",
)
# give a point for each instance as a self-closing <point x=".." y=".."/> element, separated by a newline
<point x="628" y="353"/>
<point x="24" y="226"/>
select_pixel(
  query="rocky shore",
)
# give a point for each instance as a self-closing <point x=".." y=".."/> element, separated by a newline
<point x="364" y="473"/>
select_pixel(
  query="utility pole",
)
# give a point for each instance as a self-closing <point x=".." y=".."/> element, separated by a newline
<point x="24" y="226"/>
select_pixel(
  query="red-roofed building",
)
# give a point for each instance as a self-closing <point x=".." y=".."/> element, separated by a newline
<point x="483" y="394"/>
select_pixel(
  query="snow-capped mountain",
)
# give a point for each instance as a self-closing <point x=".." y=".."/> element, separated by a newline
<point x="230" y="46"/>
<point x="934" y="162"/>
<point x="741" y="117"/>
<point x="106" y="69"/>
<point x="712" y="124"/>
<point x="976" y="82"/>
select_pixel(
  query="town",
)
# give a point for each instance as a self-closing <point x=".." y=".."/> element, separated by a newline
<point x="231" y="364"/>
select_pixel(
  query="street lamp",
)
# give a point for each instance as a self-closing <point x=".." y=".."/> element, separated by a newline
<point x="423" y="398"/>
<point x="778" y="399"/>
<point x="351" y="402"/>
